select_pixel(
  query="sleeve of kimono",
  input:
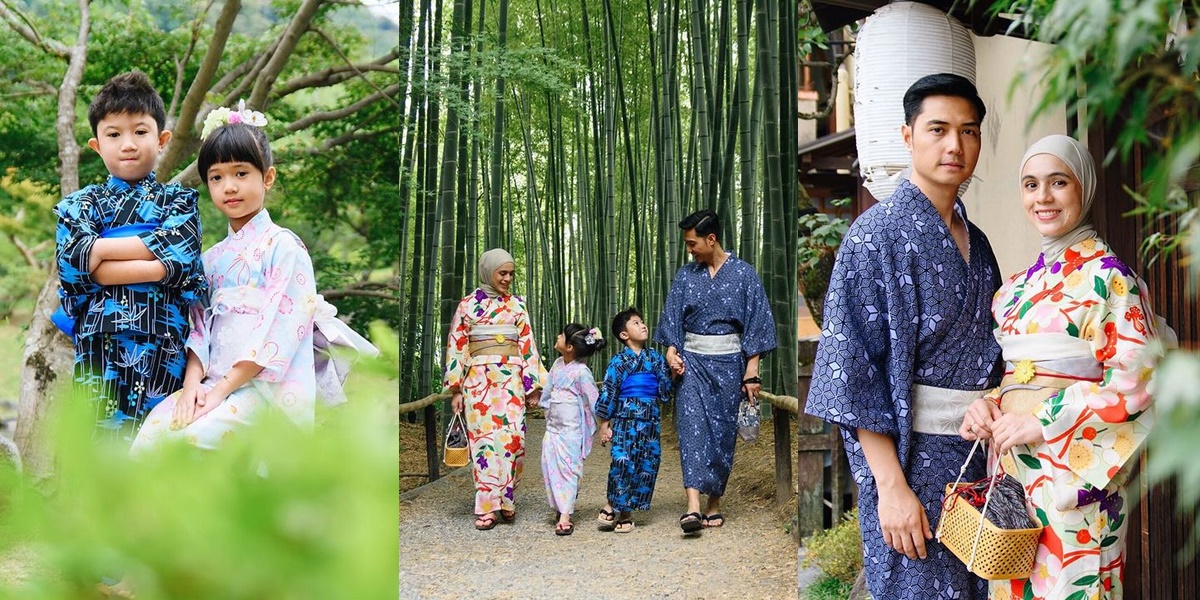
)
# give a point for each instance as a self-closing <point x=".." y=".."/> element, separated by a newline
<point x="285" y="318"/>
<point x="610" y="389"/>
<point x="199" y="340"/>
<point x="658" y="365"/>
<point x="74" y="237"/>
<point x="758" y="335"/>
<point x="456" y="349"/>
<point x="585" y="386"/>
<point x="1096" y="427"/>
<point x="533" y="374"/>
<point x="851" y="384"/>
<point x="176" y="242"/>
<point x="669" y="330"/>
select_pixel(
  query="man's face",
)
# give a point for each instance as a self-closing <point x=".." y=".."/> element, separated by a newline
<point x="701" y="248"/>
<point x="944" y="141"/>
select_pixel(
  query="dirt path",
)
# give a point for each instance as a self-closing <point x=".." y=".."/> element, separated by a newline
<point x="443" y="556"/>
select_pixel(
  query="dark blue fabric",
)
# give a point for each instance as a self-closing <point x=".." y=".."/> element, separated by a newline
<point x="893" y="576"/>
<point x="636" y="425"/>
<point x="640" y="385"/>
<point x="612" y="403"/>
<point x="125" y="375"/>
<point x="732" y="301"/>
<point x="903" y="307"/>
<point x="60" y="319"/>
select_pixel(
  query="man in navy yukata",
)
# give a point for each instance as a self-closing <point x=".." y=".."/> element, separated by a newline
<point x="907" y="344"/>
<point x="716" y="325"/>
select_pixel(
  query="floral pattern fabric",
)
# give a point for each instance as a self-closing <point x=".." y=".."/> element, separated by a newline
<point x="494" y="389"/>
<point x="569" y="399"/>
<point x="263" y="300"/>
<point x="1075" y="479"/>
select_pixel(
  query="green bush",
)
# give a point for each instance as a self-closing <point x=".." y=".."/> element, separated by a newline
<point x="837" y="551"/>
<point x="276" y="513"/>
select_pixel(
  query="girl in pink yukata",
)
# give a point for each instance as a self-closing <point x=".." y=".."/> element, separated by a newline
<point x="570" y="401"/>
<point x="251" y="348"/>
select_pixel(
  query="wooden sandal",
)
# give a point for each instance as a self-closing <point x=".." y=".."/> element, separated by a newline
<point x="691" y="522"/>
<point x="485" y="522"/>
<point x="606" y="519"/>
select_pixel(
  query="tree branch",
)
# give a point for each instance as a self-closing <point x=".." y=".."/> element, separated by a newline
<point x="336" y="75"/>
<point x="26" y="252"/>
<point x="260" y="62"/>
<point x="265" y="81"/>
<point x="343" y="139"/>
<point x="181" y="63"/>
<point x="185" y="134"/>
<point x="64" y="124"/>
<point x="26" y="29"/>
<point x="334" y="115"/>
<point x="346" y="60"/>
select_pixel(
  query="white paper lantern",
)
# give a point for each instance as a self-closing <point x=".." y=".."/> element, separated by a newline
<point x="897" y="45"/>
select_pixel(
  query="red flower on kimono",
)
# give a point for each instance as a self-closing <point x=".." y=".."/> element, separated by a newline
<point x="1135" y="316"/>
<point x="1110" y="346"/>
<point x="480" y="407"/>
<point x="513" y="445"/>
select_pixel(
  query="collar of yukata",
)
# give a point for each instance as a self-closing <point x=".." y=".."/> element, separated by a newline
<point x="119" y="184"/>
<point x="257" y="223"/>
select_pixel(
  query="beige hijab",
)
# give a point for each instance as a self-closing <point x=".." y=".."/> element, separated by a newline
<point x="1077" y="159"/>
<point x="488" y="263"/>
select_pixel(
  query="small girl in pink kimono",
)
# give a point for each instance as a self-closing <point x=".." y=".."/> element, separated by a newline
<point x="251" y="348"/>
<point x="569" y="398"/>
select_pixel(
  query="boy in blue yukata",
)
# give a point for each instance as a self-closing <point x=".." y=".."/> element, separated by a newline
<point x="627" y="411"/>
<point x="128" y="254"/>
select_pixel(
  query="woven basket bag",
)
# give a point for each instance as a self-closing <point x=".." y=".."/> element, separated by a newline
<point x="456" y="452"/>
<point x="988" y="551"/>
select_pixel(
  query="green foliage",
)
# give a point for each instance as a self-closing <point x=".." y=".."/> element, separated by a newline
<point x="1137" y="63"/>
<point x="828" y="588"/>
<point x="183" y="523"/>
<point x="815" y="255"/>
<point x="26" y="221"/>
<point x="837" y="551"/>
<point x="1173" y="444"/>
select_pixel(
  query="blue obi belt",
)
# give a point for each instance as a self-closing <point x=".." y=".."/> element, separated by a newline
<point x="640" y="385"/>
<point x="60" y="319"/>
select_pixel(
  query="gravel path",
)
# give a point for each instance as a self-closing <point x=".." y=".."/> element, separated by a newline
<point x="443" y="556"/>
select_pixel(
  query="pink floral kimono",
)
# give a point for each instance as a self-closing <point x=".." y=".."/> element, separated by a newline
<point x="569" y="401"/>
<point x="263" y="301"/>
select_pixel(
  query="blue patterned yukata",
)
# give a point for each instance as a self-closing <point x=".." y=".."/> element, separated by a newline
<point x="706" y="401"/>
<point x="903" y="308"/>
<point x="634" y="385"/>
<point x="129" y="339"/>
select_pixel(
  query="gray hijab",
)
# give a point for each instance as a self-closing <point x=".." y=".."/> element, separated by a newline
<point x="488" y="263"/>
<point x="1077" y="159"/>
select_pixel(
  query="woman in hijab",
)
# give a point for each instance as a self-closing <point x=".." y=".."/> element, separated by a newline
<point x="1076" y="331"/>
<point x="492" y="369"/>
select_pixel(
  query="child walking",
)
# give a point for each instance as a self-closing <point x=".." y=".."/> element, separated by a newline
<point x="128" y="255"/>
<point x="635" y="382"/>
<point x="569" y="398"/>
<point x="251" y="349"/>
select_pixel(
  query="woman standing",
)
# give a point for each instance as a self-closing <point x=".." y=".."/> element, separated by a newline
<point x="492" y="369"/>
<point x="1076" y="332"/>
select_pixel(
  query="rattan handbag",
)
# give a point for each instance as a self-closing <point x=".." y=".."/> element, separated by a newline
<point x="991" y="550"/>
<point x="456" y="451"/>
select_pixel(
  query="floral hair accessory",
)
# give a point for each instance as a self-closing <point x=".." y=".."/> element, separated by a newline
<point x="224" y="116"/>
<point x="592" y="336"/>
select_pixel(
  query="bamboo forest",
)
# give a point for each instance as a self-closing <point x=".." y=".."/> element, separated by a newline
<point x="576" y="135"/>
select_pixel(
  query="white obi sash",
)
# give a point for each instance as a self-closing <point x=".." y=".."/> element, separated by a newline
<point x="335" y="346"/>
<point x="1058" y="352"/>
<point x="730" y="343"/>
<point x="940" y="411"/>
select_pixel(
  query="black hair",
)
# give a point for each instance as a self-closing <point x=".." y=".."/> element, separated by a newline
<point x="127" y="94"/>
<point x="620" y="321"/>
<point x="940" y="84"/>
<point x="577" y="336"/>
<point x="234" y="142"/>
<point x="705" y="222"/>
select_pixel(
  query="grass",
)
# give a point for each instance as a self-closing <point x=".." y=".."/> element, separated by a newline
<point x="828" y="588"/>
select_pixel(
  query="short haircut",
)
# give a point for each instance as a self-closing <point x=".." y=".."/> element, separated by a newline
<point x="705" y="222"/>
<point x="235" y="142"/>
<point x="127" y="94"/>
<point x="940" y="84"/>
<point x="620" y="321"/>
<point x="576" y="336"/>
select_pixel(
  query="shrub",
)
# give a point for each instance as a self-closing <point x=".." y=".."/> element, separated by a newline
<point x="837" y="551"/>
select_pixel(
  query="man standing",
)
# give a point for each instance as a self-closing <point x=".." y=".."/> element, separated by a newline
<point x="716" y="324"/>
<point x="907" y="344"/>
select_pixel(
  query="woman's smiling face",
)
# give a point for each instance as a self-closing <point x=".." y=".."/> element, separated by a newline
<point x="1051" y="195"/>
